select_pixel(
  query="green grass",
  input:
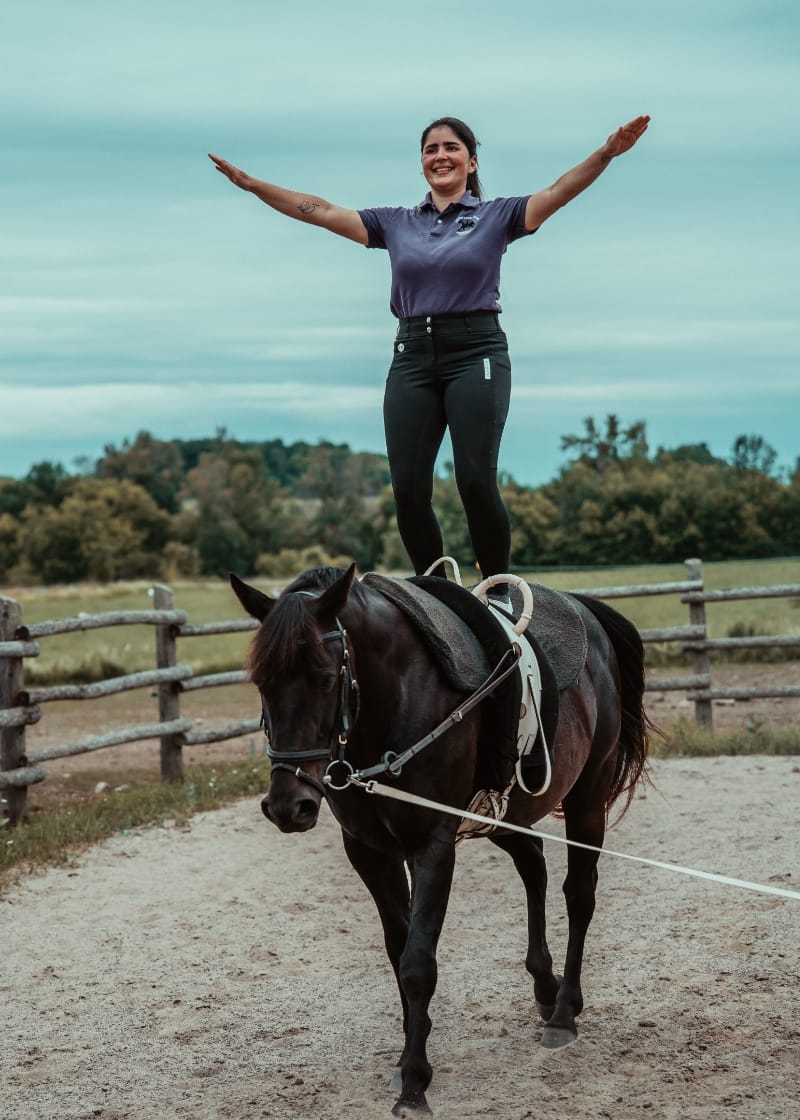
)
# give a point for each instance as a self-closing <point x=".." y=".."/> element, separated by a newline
<point x="56" y="835"/>
<point x="95" y="654"/>
<point x="767" y="616"/>
<point x="685" y="740"/>
<point x="738" y="618"/>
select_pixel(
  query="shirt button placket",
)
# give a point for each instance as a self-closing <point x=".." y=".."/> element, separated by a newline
<point x="429" y="328"/>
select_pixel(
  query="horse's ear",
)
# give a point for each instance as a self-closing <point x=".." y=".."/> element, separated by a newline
<point x="334" y="599"/>
<point x="255" y="602"/>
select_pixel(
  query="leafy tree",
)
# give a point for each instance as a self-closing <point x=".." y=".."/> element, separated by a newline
<point x="104" y="530"/>
<point x="232" y="510"/>
<point x="687" y="453"/>
<point x="450" y="513"/>
<point x="534" y="525"/>
<point x="284" y="462"/>
<point x="152" y="464"/>
<point x="333" y="470"/>
<point x="753" y="453"/>
<point x="45" y="484"/>
<point x="344" y="526"/>
<point x="615" y="443"/>
<point x="9" y="544"/>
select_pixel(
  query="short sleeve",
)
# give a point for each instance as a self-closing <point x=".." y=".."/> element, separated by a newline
<point x="514" y="214"/>
<point x="374" y="222"/>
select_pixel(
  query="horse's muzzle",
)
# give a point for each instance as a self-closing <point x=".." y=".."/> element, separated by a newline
<point x="296" y="813"/>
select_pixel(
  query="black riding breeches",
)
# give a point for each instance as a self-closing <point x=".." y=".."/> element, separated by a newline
<point x="449" y="372"/>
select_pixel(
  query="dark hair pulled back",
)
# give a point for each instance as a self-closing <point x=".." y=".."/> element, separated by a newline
<point x="467" y="138"/>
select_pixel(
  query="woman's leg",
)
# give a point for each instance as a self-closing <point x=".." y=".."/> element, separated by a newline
<point x="476" y="404"/>
<point x="414" y="421"/>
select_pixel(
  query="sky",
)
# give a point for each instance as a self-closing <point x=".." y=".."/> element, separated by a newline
<point x="139" y="290"/>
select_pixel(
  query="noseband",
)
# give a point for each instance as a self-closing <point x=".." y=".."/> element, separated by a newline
<point x="340" y="730"/>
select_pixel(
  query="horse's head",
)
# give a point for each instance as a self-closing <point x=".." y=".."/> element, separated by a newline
<point x="300" y="661"/>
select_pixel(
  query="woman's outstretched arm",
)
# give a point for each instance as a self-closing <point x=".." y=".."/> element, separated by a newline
<point x="544" y="203"/>
<point x="305" y="207"/>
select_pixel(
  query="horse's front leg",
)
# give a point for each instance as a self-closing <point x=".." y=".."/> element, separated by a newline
<point x="431" y="877"/>
<point x="387" y="882"/>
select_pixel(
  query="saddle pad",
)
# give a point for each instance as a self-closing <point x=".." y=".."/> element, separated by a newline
<point x="456" y="649"/>
<point x="557" y="626"/>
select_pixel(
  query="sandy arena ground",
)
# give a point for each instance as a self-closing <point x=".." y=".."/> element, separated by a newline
<point x="226" y="971"/>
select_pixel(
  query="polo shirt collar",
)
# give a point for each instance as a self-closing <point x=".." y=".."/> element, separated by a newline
<point x="467" y="199"/>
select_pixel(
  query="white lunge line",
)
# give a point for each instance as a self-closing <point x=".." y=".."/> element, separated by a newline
<point x="726" y="880"/>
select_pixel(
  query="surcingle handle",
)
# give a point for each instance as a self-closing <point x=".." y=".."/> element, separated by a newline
<point x="521" y="625"/>
<point x="453" y="567"/>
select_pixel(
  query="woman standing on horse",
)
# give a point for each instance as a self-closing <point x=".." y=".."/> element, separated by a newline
<point x="451" y="367"/>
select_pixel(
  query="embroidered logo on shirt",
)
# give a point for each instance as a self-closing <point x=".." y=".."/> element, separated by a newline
<point x="465" y="224"/>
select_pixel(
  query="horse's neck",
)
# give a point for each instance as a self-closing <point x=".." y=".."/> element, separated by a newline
<point x="401" y="687"/>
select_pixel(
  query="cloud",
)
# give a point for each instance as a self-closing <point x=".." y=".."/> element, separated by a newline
<point x="149" y="293"/>
<point x="95" y="408"/>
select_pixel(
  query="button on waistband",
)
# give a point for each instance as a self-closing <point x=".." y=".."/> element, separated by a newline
<point x="426" y="324"/>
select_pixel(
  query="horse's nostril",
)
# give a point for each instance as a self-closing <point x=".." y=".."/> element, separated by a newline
<point x="265" y="808"/>
<point x="306" y="807"/>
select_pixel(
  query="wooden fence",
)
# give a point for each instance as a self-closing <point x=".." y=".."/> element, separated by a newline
<point x="21" y="706"/>
<point x="694" y="638"/>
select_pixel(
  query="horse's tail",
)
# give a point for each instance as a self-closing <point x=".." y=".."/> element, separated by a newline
<point x="635" y="730"/>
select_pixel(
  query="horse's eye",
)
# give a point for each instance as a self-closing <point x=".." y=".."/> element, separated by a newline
<point x="327" y="681"/>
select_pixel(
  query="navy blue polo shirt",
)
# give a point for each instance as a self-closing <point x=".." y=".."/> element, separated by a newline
<point x="446" y="262"/>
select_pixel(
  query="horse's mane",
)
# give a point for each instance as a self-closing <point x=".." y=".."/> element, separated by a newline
<point x="289" y="633"/>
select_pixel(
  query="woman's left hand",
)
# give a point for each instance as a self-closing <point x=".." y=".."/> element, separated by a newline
<point x="625" y="137"/>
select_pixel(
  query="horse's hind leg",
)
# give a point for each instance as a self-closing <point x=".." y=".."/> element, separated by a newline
<point x="586" y="826"/>
<point x="528" y="857"/>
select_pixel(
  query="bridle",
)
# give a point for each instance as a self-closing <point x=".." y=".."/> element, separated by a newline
<point x="344" y="721"/>
<point x="340" y="773"/>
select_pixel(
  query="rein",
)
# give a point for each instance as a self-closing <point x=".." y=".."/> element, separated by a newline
<point x="392" y="763"/>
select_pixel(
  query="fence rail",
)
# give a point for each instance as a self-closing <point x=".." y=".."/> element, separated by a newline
<point x="20" y="705"/>
<point x="100" y="621"/>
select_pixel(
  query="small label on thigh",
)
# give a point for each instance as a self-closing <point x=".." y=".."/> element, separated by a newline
<point x="487" y="369"/>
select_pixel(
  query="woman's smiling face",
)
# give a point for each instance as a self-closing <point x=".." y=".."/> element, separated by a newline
<point x="446" y="162"/>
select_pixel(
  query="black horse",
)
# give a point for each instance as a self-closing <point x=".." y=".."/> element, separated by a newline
<point x="344" y="675"/>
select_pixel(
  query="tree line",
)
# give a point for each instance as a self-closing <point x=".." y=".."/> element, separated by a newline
<point x="157" y="509"/>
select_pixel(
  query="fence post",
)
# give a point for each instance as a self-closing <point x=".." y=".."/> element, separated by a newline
<point x="703" y="712"/>
<point x="14" y="799"/>
<point x="168" y="691"/>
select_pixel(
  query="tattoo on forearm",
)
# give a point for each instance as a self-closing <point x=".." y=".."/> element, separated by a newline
<point x="308" y="206"/>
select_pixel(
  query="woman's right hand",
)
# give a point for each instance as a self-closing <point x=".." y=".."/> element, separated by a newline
<point x="238" y="177"/>
<point x="303" y="207"/>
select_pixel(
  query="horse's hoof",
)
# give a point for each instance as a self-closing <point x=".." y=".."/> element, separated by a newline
<point x="546" y="1009"/>
<point x="411" y="1111"/>
<point x="553" y="1038"/>
<point x="396" y="1084"/>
